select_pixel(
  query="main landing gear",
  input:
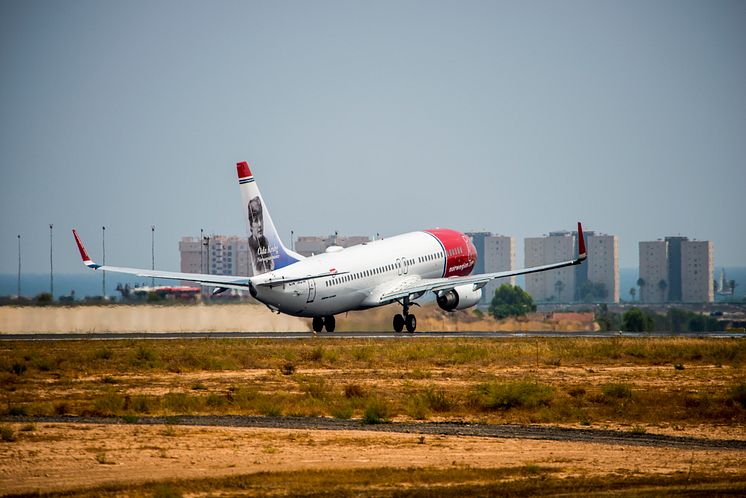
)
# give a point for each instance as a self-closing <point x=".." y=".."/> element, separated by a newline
<point x="405" y="320"/>
<point x="319" y="323"/>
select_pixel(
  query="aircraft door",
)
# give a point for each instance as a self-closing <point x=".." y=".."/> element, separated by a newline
<point x="311" y="290"/>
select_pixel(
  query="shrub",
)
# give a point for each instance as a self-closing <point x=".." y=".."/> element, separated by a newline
<point x="270" y="409"/>
<point x="738" y="395"/>
<point x="513" y="395"/>
<point x="198" y="386"/>
<point x="18" y="368"/>
<point x="354" y="391"/>
<point x="7" y="434"/>
<point x="417" y="408"/>
<point x="343" y="411"/>
<point x="61" y="408"/>
<point x="180" y="402"/>
<point x="438" y="400"/>
<point x="17" y="411"/>
<point x="620" y="391"/>
<point x="287" y="368"/>
<point x="28" y="428"/>
<point x="104" y="354"/>
<point x="109" y="404"/>
<point x="376" y="412"/>
<point x="315" y="388"/>
<point x="109" y="380"/>
<point x="576" y="392"/>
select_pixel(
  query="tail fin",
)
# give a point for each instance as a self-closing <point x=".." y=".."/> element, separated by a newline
<point x="265" y="247"/>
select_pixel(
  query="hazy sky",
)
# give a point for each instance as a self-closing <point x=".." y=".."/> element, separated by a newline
<point x="516" y="117"/>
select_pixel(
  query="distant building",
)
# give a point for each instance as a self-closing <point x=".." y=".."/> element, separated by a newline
<point x="216" y="254"/>
<point x="697" y="268"/>
<point x="602" y="265"/>
<point x="653" y="272"/>
<point x="596" y="280"/>
<point x="554" y="285"/>
<point x="676" y="269"/>
<point x="494" y="253"/>
<point x="310" y="245"/>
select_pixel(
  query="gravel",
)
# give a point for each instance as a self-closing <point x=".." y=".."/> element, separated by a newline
<point x="508" y="431"/>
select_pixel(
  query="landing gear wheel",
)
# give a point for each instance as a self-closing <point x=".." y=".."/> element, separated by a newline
<point x="317" y="324"/>
<point x="330" y="323"/>
<point x="398" y="323"/>
<point x="411" y="323"/>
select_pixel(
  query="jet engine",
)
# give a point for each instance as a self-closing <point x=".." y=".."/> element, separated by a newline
<point x="459" y="298"/>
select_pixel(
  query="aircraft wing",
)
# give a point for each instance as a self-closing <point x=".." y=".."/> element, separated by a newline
<point x="225" y="281"/>
<point x="417" y="288"/>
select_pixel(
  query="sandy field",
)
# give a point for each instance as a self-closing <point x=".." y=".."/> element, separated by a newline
<point x="74" y="456"/>
<point x="146" y="318"/>
<point x="253" y="318"/>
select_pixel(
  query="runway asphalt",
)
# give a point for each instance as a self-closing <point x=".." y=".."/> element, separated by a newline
<point x="43" y="336"/>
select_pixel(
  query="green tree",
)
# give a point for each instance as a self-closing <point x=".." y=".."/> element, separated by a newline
<point x="592" y="292"/>
<point x="634" y="320"/>
<point x="663" y="285"/>
<point x="510" y="300"/>
<point x="641" y="285"/>
<point x="632" y="292"/>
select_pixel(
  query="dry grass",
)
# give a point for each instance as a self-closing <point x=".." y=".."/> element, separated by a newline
<point x="457" y="481"/>
<point x="562" y="380"/>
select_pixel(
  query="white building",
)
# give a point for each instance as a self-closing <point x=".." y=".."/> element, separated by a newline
<point x="554" y="285"/>
<point x="697" y="268"/>
<point x="217" y="255"/>
<point x="603" y="264"/>
<point x="653" y="271"/>
<point x="494" y="253"/>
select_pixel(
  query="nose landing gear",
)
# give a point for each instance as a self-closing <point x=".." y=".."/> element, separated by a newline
<point x="319" y="323"/>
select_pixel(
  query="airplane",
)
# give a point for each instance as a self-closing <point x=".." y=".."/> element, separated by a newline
<point x="399" y="269"/>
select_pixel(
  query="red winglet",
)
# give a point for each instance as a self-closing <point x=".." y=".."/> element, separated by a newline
<point x="243" y="169"/>
<point x="83" y="253"/>
<point x="581" y="242"/>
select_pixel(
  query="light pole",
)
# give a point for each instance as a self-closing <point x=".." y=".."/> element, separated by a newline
<point x="292" y="241"/>
<point x="19" y="266"/>
<point x="51" y="263"/>
<point x="201" y="257"/>
<point x="152" y="253"/>
<point x="103" y="273"/>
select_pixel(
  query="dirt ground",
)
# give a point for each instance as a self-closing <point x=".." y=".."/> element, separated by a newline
<point x="146" y="318"/>
<point x="251" y="318"/>
<point x="74" y="456"/>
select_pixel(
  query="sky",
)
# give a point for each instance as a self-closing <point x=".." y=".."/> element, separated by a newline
<point x="516" y="117"/>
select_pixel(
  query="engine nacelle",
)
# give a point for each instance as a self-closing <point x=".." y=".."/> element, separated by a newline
<point x="459" y="298"/>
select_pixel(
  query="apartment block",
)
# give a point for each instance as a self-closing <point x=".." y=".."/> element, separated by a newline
<point x="653" y="271"/>
<point x="697" y="268"/>
<point x="494" y="253"/>
<point x="554" y="285"/>
<point x="676" y="269"/>
<point x="603" y="265"/>
<point x="216" y="254"/>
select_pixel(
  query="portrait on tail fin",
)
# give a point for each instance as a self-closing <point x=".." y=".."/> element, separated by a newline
<point x="261" y="255"/>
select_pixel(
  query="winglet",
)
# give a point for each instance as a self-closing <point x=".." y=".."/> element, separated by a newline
<point x="581" y="244"/>
<point x="83" y="254"/>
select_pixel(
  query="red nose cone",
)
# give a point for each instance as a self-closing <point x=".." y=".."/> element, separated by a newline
<point x="243" y="170"/>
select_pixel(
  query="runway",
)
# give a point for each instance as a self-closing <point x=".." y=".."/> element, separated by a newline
<point x="103" y="336"/>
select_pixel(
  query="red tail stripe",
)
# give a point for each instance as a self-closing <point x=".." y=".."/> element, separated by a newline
<point x="581" y="241"/>
<point x="243" y="169"/>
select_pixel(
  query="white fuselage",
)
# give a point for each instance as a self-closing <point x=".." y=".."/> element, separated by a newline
<point x="362" y="274"/>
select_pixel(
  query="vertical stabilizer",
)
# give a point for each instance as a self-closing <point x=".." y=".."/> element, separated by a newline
<point x="266" y="250"/>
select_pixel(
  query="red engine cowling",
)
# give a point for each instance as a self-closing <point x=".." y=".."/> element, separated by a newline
<point x="459" y="298"/>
